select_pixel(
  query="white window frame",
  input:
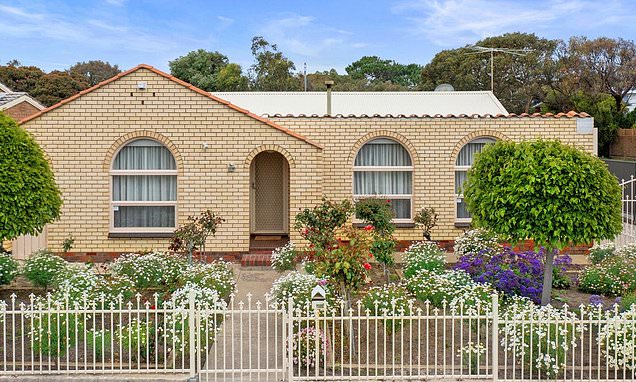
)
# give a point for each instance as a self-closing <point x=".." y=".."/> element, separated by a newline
<point x="116" y="204"/>
<point x="460" y="196"/>
<point x="411" y="169"/>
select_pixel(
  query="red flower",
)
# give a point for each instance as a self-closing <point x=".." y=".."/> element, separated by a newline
<point x="370" y="254"/>
<point x="388" y="201"/>
<point x="369" y="228"/>
<point x="305" y="231"/>
<point x="367" y="266"/>
<point x="153" y="307"/>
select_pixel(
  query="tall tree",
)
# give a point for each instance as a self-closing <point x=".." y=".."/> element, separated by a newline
<point x="20" y="78"/>
<point x="231" y="79"/>
<point x="604" y="65"/>
<point x="29" y="197"/>
<point x="376" y="70"/>
<point x="272" y="71"/>
<point x="93" y="72"/>
<point x="545" y="191"/>
<point x="519" y="80"/>
<point x="200" y="68"/>
<point x="53" y="87"/>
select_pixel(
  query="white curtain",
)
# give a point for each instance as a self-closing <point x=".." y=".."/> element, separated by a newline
<point x="139" y="155"/>
<point x="384" y="153"/>
<point x="466" y="157"/>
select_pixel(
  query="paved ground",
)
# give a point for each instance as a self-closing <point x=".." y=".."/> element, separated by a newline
<point x="248" y="343"/>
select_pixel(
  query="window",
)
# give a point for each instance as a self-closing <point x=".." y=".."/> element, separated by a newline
<point x="383" y="169"/>
<point x="464" y="161"/>
<point x="144" y="188"/>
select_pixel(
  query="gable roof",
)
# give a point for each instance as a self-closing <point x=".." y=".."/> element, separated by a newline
<point x="180" y="82"/>
<point x="5" y="89"/>
<point x="8" y="100"/>
<point x="367" y="103"/>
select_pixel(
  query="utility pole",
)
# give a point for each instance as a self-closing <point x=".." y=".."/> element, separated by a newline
<point x="482" y="49"/>
<point x="305" y="74"/>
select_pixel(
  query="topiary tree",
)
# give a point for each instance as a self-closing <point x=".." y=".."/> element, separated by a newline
<point x="378" y="214"/>
<point x="546" y="191"/>
<point x="29" y="197"/>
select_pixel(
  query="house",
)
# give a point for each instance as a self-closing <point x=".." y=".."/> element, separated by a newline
<point x="137" y="154"/>
<point x="17" y="105"/>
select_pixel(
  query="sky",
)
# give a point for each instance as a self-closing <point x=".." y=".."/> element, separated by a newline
<point x="324" y="34"/>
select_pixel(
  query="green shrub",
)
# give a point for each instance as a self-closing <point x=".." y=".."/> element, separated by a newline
<point x="628" y="301"/>
<point x="43" y="269"/>
<point x="29" y="197"/>
<point x="617" y="338"/>
<point x="217" y="276"/>
<point x="155" y="270"/>
<point x="136" y="338"/>
<point x="389" y="300"/>
<point x="8" y="268"/>
<point x="318" y="225"/>
<point x="614" y="276"/>
<point x="532" y="329"/>
<point x="477" y="241"/>
<point x="99" y="341"/>
<point x="600" y="252"/>
<point x="378" y="213"/>
<point x="284" y="258"/>
<point x="452" y="289"/>
<point x="423" y="255"/>
<point x="53" y="333"/>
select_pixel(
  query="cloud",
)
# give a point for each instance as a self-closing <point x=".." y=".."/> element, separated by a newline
<point x="458" y="22"/>
<point x="224" y="22"/>
<point x="301" y="35"/>
<point x="117" y="3"/>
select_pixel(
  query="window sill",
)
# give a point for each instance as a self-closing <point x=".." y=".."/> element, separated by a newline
<point x="397" y="225"/>
<point x="139" y="235"/>
<point x="462" y="224"/>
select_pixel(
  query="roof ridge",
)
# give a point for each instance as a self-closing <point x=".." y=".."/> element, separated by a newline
<point x="570" y="114"/>
<point x="180" y="82"/>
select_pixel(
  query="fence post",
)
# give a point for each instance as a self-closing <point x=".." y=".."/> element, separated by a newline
<point x="290" y="339"/>
<point x="495" y="337"/>
<point x="192" y="333"/>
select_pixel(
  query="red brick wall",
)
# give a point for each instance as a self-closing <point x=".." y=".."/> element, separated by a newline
<point x="21" y="111"/>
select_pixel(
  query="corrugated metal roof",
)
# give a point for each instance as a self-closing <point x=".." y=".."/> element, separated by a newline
<point x="367" y="103"/>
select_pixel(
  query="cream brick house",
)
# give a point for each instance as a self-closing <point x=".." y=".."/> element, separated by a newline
<point x="137" y="154"/>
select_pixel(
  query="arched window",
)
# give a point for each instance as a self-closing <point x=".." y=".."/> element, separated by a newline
<point x="464" y="161"/>
<point x="383" y="169"/>
<point x="144" y="188"/>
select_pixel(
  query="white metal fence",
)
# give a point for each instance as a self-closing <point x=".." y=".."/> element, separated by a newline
<point x="264" y="341"/>
<point x="628" y="213"/>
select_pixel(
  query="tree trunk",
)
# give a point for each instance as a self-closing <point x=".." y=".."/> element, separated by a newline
<point x="546" y="294"/>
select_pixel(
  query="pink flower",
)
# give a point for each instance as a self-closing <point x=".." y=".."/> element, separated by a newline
<point x="305" y="231"/>
<point x="368" y="228"/>
<point x="367" y="266"/>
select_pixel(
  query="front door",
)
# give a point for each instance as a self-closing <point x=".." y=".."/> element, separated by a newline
<point x="269" y="197"/>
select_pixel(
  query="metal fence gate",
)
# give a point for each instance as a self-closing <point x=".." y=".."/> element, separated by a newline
<point x="628" y="213"/>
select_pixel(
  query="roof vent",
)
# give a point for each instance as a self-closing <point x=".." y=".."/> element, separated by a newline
<point x="445" y="88"/>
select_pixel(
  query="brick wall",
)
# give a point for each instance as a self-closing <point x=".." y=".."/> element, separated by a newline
<point x="21" y="111"/>
<point x="81" y="137"/>
<point x="433" y="143"/>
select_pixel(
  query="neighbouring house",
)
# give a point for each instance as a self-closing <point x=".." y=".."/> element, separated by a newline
<point x="17" y="105"/>
<point x="137" y="154"/>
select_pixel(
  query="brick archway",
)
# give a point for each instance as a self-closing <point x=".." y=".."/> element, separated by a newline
<point x="141" y="134"/>
<point x="384" y="134"/>
<point x="276" y="148"/>
<point x="474" y="135"/>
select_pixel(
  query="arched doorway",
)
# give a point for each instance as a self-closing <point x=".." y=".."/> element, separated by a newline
<point x="269" y="194"/>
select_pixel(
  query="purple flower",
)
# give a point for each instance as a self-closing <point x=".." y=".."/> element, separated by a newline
<point x="596" y="300"/>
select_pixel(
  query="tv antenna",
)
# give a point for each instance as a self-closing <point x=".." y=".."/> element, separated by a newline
<point x="483" y="49"/>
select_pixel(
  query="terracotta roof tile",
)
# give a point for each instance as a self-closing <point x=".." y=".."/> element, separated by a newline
<point x="570" y="114"/>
